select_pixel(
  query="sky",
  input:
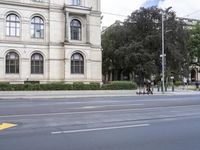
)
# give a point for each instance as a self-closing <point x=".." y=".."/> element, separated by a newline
<point x="121" y="9"/>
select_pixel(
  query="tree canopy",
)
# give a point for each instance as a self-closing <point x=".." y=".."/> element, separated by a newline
<point x="194" y="44"/>
<point x="135" y="46"/>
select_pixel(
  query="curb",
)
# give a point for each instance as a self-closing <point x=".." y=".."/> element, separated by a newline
<point x="28" y="97"/>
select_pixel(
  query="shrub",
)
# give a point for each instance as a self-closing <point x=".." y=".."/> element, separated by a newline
<point x="94" y="86"/>
<point x="55" y="86"/>
<point x="5" y="87"/>
<point x="178" y="83"/>
<point x="78" y="86"/>
<point x="82" y="86"/>
<point x="31" y="82"/>
<point x="117" y="85"/>
<point x="120" y="85"/>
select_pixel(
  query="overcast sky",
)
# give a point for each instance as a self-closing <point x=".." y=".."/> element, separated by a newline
<point x="183" y="8"/>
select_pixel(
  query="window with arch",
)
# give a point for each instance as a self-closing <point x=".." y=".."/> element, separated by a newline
<point x="75" y="29"/>
<point x="12" y="25"/>
<point x="12" y="63"/>
<point x="37" y="64"/>
<point x="76" y="2"/>
<point x="37" y="27"/>
<point x="77" y="64"/>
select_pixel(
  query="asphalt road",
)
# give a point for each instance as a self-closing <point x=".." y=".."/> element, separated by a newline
<point x="109" y="123"/>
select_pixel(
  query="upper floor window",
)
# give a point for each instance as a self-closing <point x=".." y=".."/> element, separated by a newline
<point x="77" y="64"/>
<point x="75" y="29"/>
<point x="12" y="63"/>
<point x="76" y="2"/>
<point x="37" y="27"/>
<point x="12" y="25"/>
<point x="37" y="64"/>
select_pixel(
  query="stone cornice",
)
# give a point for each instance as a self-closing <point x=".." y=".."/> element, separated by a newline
<point x="31" y="43"/>
<point x="32" y="5"/>
<point x="23" y="42"/>
<point x="82" y="45"/>
<point x="50" y="44"/>
<point x="96" y="13"/>
<point x="77" y="9"/>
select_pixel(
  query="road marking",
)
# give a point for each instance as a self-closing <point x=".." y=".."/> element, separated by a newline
<point x="91" y="107"/>
<point x="4" y="126"/>
<point x="101" y="129"/>
<point x="99" y="111"/>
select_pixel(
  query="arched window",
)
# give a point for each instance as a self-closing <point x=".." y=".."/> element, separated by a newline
<point x="75" y="29"/>
<point x="37" y="27"/>
<point x="77" y="64"/>
<point x="12" y="25"/>
<point x="37" y="64"/>
<point x="12" y="63"/>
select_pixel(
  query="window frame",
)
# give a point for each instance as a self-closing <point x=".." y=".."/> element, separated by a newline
<point x="12" y="63"/>
<point x="13" y="24"/>
<point x="76" y="2"/>
<point x="77" y="65"/>
<point x="37" y="66"/>
<point x="76" y="30"/>
<point x="37" y="26"/>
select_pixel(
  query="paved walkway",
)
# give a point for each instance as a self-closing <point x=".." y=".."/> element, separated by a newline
<point x="81" y="94"/>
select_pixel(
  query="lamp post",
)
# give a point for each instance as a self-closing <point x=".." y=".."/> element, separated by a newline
<point x="163" y="55"/>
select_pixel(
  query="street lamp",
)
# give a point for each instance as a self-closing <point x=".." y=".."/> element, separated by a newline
<point x="163" y="55"/>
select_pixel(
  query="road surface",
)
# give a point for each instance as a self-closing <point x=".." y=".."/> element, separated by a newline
<point x="104" y="123"/>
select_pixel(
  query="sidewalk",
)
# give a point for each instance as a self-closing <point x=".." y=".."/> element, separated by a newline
<point x="63" y="94"/>
<point x="83" y="94"/>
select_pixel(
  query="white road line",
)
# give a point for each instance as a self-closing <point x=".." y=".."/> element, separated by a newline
<point x="88" y="112"/>
<point x="90" y="107"/>
<point x="100" y="129"/>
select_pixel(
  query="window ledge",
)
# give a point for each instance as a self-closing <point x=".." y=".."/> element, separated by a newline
<point x="78" y="9"/>
<point x="15" y="38"/>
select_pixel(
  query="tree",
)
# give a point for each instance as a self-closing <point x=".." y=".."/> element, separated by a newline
<point x="194" y="44"/>
<point x="135" y="46"/>
<point x="112" y="40"/>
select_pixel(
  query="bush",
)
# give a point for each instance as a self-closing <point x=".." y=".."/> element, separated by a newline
<point x="178" y="83"/>
<point x="55" y="86"/>
<point x="82" y="86"/>
<point x="94" y="86"/>
<point x="117" y="85"/>
<point x="120" y="85"/>
<point x="5" y="87"/>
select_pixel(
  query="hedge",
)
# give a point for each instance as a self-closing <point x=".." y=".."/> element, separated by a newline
<point x="119" y="85"/>
<point x="178" y="83"/>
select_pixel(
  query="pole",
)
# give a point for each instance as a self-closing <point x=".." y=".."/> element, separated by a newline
<point x="163" y="55"/>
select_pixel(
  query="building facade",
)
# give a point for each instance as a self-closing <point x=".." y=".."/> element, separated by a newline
<point x="50" y="41"/>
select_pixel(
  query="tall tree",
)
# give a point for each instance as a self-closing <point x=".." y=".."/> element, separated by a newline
<point x="135" y="46"/>
<point x="194" y="44"/>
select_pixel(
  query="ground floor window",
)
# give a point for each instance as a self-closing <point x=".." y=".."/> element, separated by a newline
<point x="37" y="64"/>
<point x="12" y="63"/>
<point x="77" y="64"/>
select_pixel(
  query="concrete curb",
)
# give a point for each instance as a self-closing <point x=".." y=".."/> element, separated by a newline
<point x="11" y="95"/>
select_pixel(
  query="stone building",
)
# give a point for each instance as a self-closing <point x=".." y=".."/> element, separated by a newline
<point x="50" y="41"/>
